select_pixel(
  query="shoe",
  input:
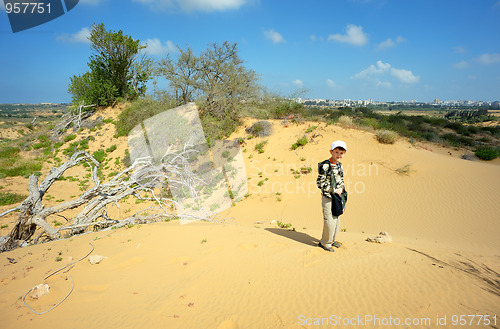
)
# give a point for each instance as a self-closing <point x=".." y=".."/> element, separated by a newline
<point x="330" y="249"/>
<point x="336" y="244"/>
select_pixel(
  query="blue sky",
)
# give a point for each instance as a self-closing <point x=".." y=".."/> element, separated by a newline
<point x="385" y="50"/>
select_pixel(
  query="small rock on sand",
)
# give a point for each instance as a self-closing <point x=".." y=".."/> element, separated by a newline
<point x="96" y="259"/>
<point x="383" y="237"/>
<point x="40" y="290"/>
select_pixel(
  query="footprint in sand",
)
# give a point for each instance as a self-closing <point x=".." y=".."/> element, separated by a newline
<point x="228" y="324"/>
<point x="313" y="257"/>
<point x="273" y="320"/>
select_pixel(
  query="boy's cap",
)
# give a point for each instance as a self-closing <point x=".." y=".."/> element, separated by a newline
<point x="340" y="144"/>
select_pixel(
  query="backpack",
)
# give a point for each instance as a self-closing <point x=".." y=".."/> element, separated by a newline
<point x="338" y="201"/>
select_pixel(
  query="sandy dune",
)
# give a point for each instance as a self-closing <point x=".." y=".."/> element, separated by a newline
<point x="441" y="211"/>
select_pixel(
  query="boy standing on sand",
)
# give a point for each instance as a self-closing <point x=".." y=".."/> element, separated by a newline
<point x="324" y="182"/>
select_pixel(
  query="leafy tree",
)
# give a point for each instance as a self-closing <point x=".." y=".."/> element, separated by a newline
<point x="217" y="77"/>
<point x="182" y="75"/>
<point x="117" y="71"/>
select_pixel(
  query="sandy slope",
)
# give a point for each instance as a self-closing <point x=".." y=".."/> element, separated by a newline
<point x="246" y="273"/>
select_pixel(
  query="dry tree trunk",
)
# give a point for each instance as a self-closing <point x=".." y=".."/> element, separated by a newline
<point x="142" y="176"/>
<point x="71" y="118"/>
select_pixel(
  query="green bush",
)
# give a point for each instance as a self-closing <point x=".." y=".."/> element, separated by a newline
<point x="300" y="142"/>
<point x="9" y="151"/>
<point x="369" y="122"/>
<point x="111" y="148"/>
<point x="260" y="146"/>
<point x="139" y="111"/>
<point x="345" y="120"/>
<point x="486" y="153"/>
<point x="260" y="129"/>
<point x="386" y="136"/>
<point x="7" y="198"/>
<point x="22" y="169"/>
<point x="69" y="138"/>
<point x="99" y="155"/>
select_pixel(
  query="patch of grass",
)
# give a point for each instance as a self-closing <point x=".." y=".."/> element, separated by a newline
<point x="7" y="198"/>
<point x="260" y="146"/>
<point x="69" y="138"/>
<point x="345" y="120"/>
<point x="300" y="142"/>
<point x="283" y="225"/>
<point x="386" y="136"/>
<point x="99" y="155"/>
<point x="111" y="148"/>
<point x="305" y="170"/>
<point x="9" y="152"/>
<point x="139" y="111"/>
<point x="19" y="169"/>
<point x="4" y="226"/>
<point x="311" y="129"/>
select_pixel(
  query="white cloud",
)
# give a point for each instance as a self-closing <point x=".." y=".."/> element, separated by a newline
<point x="400" y="39"/>
<point x="195" y="5"/>
<point x="459" y="50"/>
<point x="489" y="59"/>
<point x="312" y="37"/>
<point x="461" y="65"/>
<point x="330" y="83"/>
<point x="389" y="43"/>
<point x="383" y="84"/>
<point x="81" y="36"/>
<point x="156" y="47"/>
<point x="274" y="36"/>
<point x="298" y="83"/>
<point x="381" y="69"/>
<point x="404" y="76"/>
<point x="354" y="35"/>
<point x="386" y="44"/>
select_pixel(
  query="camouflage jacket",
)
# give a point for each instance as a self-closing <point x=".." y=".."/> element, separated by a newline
<point x="325" y="171"/>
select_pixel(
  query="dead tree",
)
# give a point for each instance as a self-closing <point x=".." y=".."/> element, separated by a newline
<point x="142" y="176"/>
<point x="74" y="118"/>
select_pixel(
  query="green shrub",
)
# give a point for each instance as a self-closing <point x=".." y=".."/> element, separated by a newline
<point x="99" y="155"/>
<point x="20" y="169"/>
<point x="139" y="111"/>
<point x="260" y="129"/>
<point x="260" y="146"/>
<point x="9" y="151"/>
<point x="486" y="153"/>
<point x="369" y="122"/>
<point x="345" y="121"/>
<point x="69" y="138"/>
<point x="429" y="136"/>
<point x="300" y="142"/>
<point x="111" y="148"/>
<point x="386" y="136"/>
<point x="7" y="198"/>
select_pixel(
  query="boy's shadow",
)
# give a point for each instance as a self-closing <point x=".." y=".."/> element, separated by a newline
<point x="294" y="235"/>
